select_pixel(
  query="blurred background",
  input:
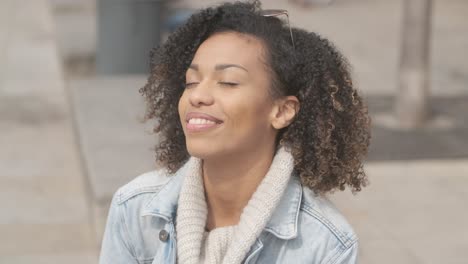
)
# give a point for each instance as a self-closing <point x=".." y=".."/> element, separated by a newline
<point x="70" y="111"/>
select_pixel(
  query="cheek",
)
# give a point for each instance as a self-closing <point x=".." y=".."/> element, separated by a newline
<point x="182" y="105"/>
<point x="250" y="115"/>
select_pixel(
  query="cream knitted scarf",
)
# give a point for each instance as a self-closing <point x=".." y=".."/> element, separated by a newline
<point x="192" y="211"/>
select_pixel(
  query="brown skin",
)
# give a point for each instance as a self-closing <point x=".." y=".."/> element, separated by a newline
<point x="238" y="152"/>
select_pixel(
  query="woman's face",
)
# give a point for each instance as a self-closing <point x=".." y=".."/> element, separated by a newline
<point x="226" y="107"/>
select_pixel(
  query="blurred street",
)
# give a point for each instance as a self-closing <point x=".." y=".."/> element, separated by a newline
<point x="44" y="215"/>
<point x="69" y="138"/>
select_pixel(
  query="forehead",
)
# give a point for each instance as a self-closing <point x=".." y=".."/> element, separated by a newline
<point x="230" y="47"/>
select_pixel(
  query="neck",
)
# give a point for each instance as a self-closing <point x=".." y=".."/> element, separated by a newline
<point x="230" y="182"/>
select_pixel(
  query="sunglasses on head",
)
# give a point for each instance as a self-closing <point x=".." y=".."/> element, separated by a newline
<point x="278" y="12"/>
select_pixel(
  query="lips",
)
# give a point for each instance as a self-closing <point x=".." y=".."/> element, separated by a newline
<point x="198" y="122"/>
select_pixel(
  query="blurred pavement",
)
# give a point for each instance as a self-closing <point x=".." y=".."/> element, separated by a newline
<point x="56" y="155"/>
<point x="45" y="213"/>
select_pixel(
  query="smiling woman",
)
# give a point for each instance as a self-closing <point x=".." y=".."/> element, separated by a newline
<point x="257" y="123"/>
<point x="228" y="84"/>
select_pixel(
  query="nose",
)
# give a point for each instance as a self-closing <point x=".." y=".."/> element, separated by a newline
<point x="201" y="94"/>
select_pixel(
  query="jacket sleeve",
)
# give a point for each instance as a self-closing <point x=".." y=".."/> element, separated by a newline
<point x="349" y="256"/>
<point x="116" y="245"/>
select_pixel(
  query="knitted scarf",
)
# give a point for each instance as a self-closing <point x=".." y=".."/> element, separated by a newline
<point x="192" y="212"/>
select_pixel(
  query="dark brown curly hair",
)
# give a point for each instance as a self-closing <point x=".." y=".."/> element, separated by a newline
<point x="330" y="134"/>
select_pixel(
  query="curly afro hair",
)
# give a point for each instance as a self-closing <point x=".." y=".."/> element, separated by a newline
<point x="330" y="134"/>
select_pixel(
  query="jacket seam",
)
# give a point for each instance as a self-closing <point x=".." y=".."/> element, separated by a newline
<point x="346" y="241"/>
<point x="129" y="245"/>
<point x="339" y="254"/>
<point x="130" y="194"/>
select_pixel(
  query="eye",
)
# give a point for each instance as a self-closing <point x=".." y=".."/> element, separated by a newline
<point x="230" y="84"/>
<point x="188" y="85"/>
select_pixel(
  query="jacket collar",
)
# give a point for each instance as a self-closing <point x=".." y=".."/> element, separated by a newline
<point x="164" y="203"/>
<point x="283" y="223"/>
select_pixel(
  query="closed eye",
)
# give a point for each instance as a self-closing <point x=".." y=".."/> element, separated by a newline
<point x="188" y="85"/>
<point x="231" y="84"/>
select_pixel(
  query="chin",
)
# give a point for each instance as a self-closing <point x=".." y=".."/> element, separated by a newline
<point x="201" y="150"/>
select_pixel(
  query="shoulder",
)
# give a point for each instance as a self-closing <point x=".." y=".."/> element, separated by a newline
<point x="320" y="212"/>
<point x="126" y="228"/>
<point x="323" y="235"/>
<point x="146" y="183"/>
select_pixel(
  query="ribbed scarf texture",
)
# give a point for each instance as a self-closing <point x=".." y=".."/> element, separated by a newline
<point x="235" y="241"/>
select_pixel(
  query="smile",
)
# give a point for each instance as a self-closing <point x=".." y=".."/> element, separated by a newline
<point x="199" y="122"/>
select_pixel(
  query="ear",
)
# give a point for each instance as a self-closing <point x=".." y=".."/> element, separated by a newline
<point x="284" y="111"/>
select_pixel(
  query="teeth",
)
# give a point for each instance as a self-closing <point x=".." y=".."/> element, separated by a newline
<point x="200" y="121"/>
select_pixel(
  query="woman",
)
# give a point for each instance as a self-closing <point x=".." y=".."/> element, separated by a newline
<point x="257" y="122"/>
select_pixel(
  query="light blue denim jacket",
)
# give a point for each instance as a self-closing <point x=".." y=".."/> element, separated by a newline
<point x="304" y="228"/>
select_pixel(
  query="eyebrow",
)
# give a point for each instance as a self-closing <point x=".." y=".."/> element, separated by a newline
<point x="219" y="67"/>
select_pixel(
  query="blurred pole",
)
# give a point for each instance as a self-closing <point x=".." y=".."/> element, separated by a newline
<point x="412" y="100"/>
<point x="127" y="30"/>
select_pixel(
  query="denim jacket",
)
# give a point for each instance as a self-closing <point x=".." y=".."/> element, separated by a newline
<point x="304" y="228"/>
